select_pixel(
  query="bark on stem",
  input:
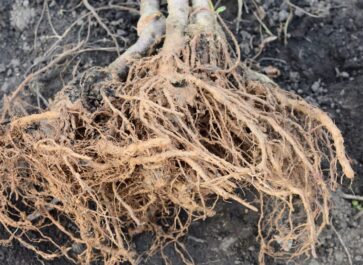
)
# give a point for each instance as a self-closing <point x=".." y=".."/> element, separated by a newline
<point x="176" y="24"/>
<point x="150" y="28"/>
<point x="204" y="17"/>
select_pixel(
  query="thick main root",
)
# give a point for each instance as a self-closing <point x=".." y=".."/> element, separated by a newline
<point x="168" y="140"/>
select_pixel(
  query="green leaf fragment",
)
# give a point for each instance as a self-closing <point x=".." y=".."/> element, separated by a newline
<point x="220" y="9"/>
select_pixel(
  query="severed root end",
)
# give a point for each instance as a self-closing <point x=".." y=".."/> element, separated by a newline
<point x="183" y="129"/>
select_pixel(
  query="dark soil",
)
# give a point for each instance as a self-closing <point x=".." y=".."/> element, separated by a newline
<point x="322" y="61"/>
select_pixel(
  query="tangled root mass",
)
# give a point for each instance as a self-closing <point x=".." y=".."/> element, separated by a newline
<point x="180" y="133"/>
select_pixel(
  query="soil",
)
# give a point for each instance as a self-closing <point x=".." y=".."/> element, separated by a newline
<point x="322" y="61"/>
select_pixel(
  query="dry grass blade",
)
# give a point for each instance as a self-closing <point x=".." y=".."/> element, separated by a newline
<point x="342" y="243"/>
<point x="352" y="197"/>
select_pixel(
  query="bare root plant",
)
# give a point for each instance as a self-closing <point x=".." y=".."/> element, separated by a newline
<point x="151" y="143"/>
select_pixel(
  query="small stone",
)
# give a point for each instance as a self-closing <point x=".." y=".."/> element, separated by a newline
<point x="2" y="68"/>
<point x="53" y="3"/>
<point x="316" y="86"/>
<point x="252" y="249"/>
<point x="245" y="48"/>
<point x="26" y="47"/>
<point x="358" y="258"/>
<point x="121" y="32"/>
<point x="15" y="62"/>
<point x="78" y="248"/>
<point x="299" y="12"/>
<point x="283" y="15"/>
<point x="245" y="35"/>
<point x="344" y="74"/>
<point x="9" y="72"/>
<point x="21" y="17"/>
<point x="294" y="76"/>
<point x="2" y="255"/>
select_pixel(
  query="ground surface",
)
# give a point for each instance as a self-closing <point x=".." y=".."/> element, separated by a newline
<point x="322" y="61"/>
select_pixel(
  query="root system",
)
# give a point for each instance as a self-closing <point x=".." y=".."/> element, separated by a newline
<point x="189" y="126"/>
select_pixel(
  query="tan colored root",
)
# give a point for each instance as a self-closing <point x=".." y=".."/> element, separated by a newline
<point x="162" y="145"/>
<point x="151" y="30"/>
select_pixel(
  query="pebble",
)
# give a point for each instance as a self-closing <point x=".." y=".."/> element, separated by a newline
<point x="316" y="86"/>
<point x="2" y="68"/>
<point x="245" y="48"/>
<point x="283" y="15"/>
<point x="78" y="248"/>
<point x="21" y="17"/>
<point x="2" y="255"/>
<point x="245" y="35"/>
<point x="121" y="32"/>
<point x="252" y="248"/>
<point x="15" y="62"/>
<point x="294" y="76"/>
<point x="9" y="72"/>
<point x="53" y="3"/>
<point x="26" y="47"/>
<point x="344" y="74"/>
<point x="299" y="13"/>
